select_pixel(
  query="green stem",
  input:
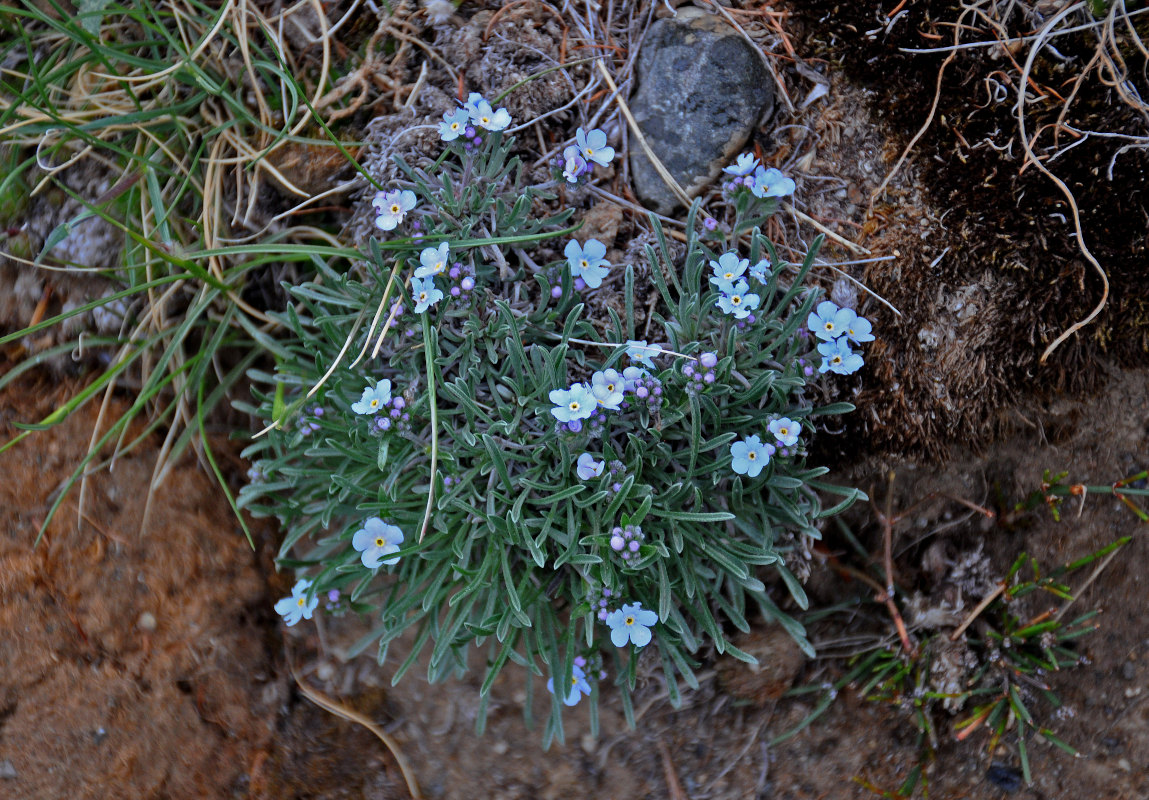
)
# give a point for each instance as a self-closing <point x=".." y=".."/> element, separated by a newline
<point x="429" y="358"/>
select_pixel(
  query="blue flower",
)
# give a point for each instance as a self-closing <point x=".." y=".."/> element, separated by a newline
<point x="786" y="431"/>
<point x="750" y="456"/>
<point x="631" y="376"/>
<point x="424" y="293"/>
<point x="587" y="261"/>
<point x="588" y="468"/>
<point x="377" y="539"/>
<point x="727" y="269"/>
<point x="858" y="330"/>
<point x="761" y="271"/>
<point x="837" y="357"/>
<point x="433" y="261"/>
<point x="828" y="321"/>
<point x="577" y="402"/>
<point x="392" y="207"/>
<point x="453" y="124"/>
<point x="297" y="607"/>
<point x="574" y="164"/>
<point x="743" y="166"/>
<point x="485" y="117"/>
<point x="608" y="387"/>
<point x="638" y="350"/>
<point x="593" y="146"/>
<point x="737" y="300"/>
<point x="373" y="399"/>
<point x="579" y="686"/>
<point x="472" y="104"/>
<point x="631" y="623"/>
<point x="771" y="183"/>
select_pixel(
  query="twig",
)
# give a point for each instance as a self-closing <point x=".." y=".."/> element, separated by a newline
<point x="857" y="248"/>
<point x="982" y="606"/>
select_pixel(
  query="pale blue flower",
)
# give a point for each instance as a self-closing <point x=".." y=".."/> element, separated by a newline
<point x="837" y="357"/>
<point x="743" y="166"/>
<point x="638" y="350"/>
<point x="858" y="330"/>
<point x="392" y="206"/>
<point x="588" y="468"/>
<point x="608" y="386"/>
<point x="579" y="686"/>
<point x="737" y="300"/>
<point x="761" y="271"/>
<point x="771" y="183"/>
<point x="828" y="321"/>
<point x="631" y="376"/>
<point x="472" y="104"/>
<point x="577" y="402"/>
<point x="433" y="261"/>
<point x="587" y="261"/>
<point x="574" y="164"/>
<point x="374" y="398"/>
<point x="631" y="623"/>
<point x="593" y="146"/>
<point x="486" y="117"/>
<point x="454" y="124"/>
<point x="750" y="456"/>
<point x="297" y="607"/>
<point x="424" y="293"/>
<point x="786" y="431"/>
<point x="375" y="540"/>
<point x="727" y="269"/>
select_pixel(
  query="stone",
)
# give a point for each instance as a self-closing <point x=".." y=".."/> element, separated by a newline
<point x="702" y="90"/>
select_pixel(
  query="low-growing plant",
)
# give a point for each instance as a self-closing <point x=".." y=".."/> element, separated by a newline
<point x="467" y="441"/>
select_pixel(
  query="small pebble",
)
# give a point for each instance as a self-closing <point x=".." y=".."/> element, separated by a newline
<point x="325" y="671"/>
<point x="588" y="743"/>
<point x="1124" y="764"/>
<point x="7" y="771"/>
<point x="146" y="622"/>
<point x="1128" y="671"/>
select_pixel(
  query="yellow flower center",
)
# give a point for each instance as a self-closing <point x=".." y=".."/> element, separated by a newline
<point x="301" y="602"/>
<point x="374" y="403"/>
<point x="380" y="541"/>
<point x="630" y="620"/>
<point x="729" y="276"/>
<point x="584" y="263"/>
<point x="394" y="209"/>
<point x="485" y="120"/>
<point x="610" y="387"/>
<point x="574" y="406"/>
<point x="574" y="681"/>
<point x="736" y="300"/>
<point x="829" y="326"/>
<point x="836" y="360"/>
<point x="752" y="456"/>
<point x="438" y="267"/>
<point x="422" y="296"/>
<point x="783" y="431"/>
<point x="454" y="126"/>
<point x="589" y="152"/>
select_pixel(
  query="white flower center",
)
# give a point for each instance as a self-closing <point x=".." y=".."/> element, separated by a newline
<point x="575" y="406"/>
<point x="736" y="300"/>
<point x="829" y="326"/>
<point x="610" y="387"/>
<point x="752" y="456"/>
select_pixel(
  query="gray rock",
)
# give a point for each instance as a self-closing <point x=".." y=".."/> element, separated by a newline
<point x="702" y="89"/>
<point x="7" y="771"/>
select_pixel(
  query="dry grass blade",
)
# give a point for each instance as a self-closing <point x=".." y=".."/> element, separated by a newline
<point x="1038" y="43"/>
<point x="326" y="703"/>
<point x="633" y="124"/>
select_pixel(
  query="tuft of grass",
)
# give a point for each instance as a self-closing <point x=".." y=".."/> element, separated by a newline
<point x="185" y="106"/>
